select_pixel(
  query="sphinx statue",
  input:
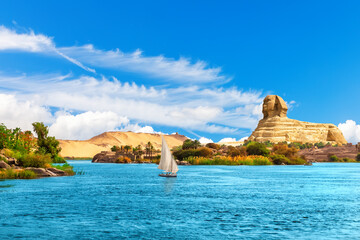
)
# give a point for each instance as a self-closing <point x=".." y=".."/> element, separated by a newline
<point x="277" y="127"/>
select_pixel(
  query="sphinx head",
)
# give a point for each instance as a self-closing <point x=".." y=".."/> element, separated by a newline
<point x="274" y="106"/>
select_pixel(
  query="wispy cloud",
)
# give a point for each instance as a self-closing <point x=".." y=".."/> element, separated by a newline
<point x="31" y="42"/>
<point x="179" y="70"/>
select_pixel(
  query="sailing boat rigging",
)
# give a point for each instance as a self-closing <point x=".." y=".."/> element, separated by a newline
<point x="167" y="161"/>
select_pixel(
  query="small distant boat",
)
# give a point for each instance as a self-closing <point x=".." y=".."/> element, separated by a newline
<point x="167" y="161"/>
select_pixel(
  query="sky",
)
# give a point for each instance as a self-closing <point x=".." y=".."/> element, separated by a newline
<point x="199" y="68"/>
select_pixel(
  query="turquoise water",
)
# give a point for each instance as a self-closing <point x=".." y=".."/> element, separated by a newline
<point x="205" y="202"/>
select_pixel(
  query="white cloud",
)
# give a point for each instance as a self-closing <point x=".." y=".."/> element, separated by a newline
<point x="243" y="139"/>
<point x="204" y="140"/>
<point x="85" y="125"/>
<point x="180" y="70"/>
<point x="224" y="140"/>
<point x="138" y="129"/>
<point x="15" y="113"/>
<point x="351" y="131"/>
<point x="153" y="105"/>
<point x="198" y="108"/>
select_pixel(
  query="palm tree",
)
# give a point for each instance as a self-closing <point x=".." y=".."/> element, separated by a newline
<point x="127" y="148"/>
<point x="149" y="148"/>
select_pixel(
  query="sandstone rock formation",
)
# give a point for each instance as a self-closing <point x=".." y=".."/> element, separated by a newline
<point x="277" y="127"/>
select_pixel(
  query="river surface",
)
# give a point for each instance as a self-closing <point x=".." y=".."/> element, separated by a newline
<point x="204" y="202"/>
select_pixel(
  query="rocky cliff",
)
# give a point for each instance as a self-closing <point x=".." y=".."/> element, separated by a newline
<point x="277" y="127"/>
<point x="322" y="154"/>
<point x="104" y="141"/>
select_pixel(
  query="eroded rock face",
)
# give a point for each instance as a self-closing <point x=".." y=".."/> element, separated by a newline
<point x="4" y="165"/>
<point x="277" y="127"/>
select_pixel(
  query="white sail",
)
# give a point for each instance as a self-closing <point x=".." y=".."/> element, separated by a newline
<point x="167" y="161"/>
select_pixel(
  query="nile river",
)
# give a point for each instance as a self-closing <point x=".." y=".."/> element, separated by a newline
<point x="205" y="202"/>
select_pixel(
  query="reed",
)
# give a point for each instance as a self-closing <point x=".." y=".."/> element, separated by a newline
<point x="66" y="168"/>
<point x="226" y="160"/>
<point x="17" y="174"/>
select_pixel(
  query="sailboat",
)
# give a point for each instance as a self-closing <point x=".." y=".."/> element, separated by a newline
<point x="167" y="161"/>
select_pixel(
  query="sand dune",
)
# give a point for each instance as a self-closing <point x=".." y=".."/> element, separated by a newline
<point x="104" y="141"/>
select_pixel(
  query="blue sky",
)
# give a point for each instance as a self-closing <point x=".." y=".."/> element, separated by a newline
<point x="200" y="69"/>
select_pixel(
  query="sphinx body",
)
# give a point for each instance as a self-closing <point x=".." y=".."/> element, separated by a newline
<point x="277" y="127"/>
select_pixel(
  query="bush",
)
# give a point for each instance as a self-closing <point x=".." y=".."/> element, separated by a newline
<point x="213" y="146"/>
<point x="181" y="154"/>
<point x="256" y="148"/>
<point x="284" y="149"/>
<point x="3" y="159"/>
<point x="297" y="161"/>
<point x="333" y="158"/>
<point x="319" y="145"/>
<point x="345" y="159"/>
<point x="123" y="159"/>
<point x="233" y="152"/>
<point x="66" y="168"/>
<point x="358" y="157"/>
<point x="17" y="174"/>
<point x="204" y="152"/>
<point x="58" y="159"/>
<point x="279" y="159"/>
<point x="222" y="160"/>
<point x="35" y="160"/>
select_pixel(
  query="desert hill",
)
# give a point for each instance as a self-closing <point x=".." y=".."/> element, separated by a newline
<point x="104" y="141"/>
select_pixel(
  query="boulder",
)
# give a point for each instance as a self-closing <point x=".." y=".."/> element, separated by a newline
<point x="56" y="171"/>
<point x="4" y="165"/>
<point x="12" y="161"/>
<point x="41" y="172"/>
<point x="277" y="127"/>
<point x="178" y="162"/>
<point x="104" y="157"/>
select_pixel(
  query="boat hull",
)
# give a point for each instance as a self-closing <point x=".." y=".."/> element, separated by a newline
<point x="167" y="175"/>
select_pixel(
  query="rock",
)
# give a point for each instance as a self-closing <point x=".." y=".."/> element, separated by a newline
<point x="178" y="162"/>
<point x="184" y="163"/>
<point x="104" y="157"/>
<point x="12" y="161"/>
<point x="277" y="127"/>
<point x="41" y="172"/>
<point x="4" y="165"/>
<point x="56" y="171"/>
<point x="321" y="154"/>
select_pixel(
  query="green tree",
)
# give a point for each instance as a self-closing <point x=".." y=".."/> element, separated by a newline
<point x="358" y="157"/>
<point x="46" y="144"/>
<point x="115" y="148"/>
<point x="190" y="144"/>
